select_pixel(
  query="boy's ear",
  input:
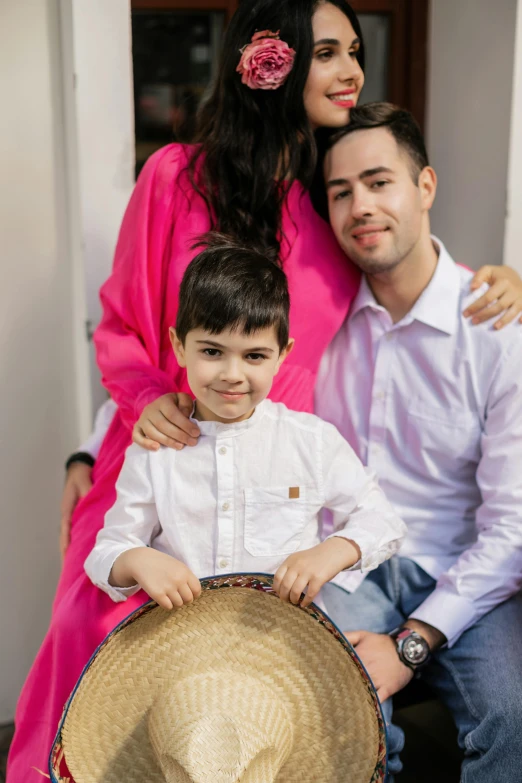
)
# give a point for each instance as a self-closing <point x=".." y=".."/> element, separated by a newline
<point x="177" y="347"/>
<point x="284" y="353"/>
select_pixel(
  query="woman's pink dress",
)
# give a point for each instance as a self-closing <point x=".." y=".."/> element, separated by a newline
<point x="164" y="218"/>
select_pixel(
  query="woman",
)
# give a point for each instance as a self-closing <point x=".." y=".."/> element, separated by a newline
<point x="300" y="67"/>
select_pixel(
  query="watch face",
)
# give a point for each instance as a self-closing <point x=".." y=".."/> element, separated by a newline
<point x="415" y="649"/>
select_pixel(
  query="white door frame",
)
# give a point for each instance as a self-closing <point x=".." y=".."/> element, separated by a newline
<point x="99" y="117"/>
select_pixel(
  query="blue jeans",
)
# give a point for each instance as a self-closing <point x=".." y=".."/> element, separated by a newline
<point x="479" y="678"/>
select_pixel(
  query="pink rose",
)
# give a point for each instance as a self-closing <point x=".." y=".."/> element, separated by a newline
<point x="266" y="62"/>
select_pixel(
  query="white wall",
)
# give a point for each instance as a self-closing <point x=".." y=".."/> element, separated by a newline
<point x="468" y="125"/>
<point x="513" y="243"/>
<point x="38" y="395"/>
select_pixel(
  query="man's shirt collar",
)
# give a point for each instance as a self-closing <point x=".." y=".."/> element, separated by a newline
<point x="437" y="306"/>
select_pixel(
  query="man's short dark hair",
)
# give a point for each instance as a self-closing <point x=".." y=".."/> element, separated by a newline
<point x="399" y="122"/>
<point x="227" y="286"/>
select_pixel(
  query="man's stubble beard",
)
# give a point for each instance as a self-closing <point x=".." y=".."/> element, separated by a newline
<point x="371" y="266"/>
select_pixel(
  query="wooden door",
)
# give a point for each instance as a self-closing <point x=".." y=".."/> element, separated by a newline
<point x="176" y="44"/>
<point x="399" y="28"/>
<point x="228" y="6"/>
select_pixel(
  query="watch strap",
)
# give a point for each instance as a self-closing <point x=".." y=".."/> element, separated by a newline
<point x="80" y="456"/>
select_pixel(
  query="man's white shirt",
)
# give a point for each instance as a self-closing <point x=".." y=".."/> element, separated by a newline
<point x="244" y="498"/>
<point x="433" y="405"/>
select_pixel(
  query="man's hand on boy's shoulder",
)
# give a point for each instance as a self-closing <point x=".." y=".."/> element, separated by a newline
<point x="310" y="569"/>
<point x="166" y="580"/>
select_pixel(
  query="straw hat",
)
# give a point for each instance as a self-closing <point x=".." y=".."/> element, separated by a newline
<point x="237" y="686"/>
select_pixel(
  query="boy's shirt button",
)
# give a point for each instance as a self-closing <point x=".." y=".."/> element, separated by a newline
<point x="223" y="563"/>
<point x="225" y="506"/>
<point x="222" y="450"/>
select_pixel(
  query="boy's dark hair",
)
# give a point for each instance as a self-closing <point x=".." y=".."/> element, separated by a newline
<point x="399" y="122"/>
<point x="228" y="286"/>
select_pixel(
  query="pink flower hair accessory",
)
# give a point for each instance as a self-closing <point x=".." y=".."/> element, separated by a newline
<point x="265" y="62"/>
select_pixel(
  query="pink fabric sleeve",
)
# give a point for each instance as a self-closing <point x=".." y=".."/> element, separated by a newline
<point x="128" y="338"/>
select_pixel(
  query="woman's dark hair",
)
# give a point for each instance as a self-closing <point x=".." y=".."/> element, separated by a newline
<point x="256" y="143"/>
<point x="229" y="286"/>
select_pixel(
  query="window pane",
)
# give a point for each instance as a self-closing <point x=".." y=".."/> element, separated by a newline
<point x="175" y="56"/>
<point x="174" y="59"/>
<point x="376" y="33"/>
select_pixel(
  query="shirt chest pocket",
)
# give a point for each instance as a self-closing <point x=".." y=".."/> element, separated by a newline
<point x="442" y="437"/>
<point x="276" y="517"/>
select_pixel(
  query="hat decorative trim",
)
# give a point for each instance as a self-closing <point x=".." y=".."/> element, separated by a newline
<point x="59" y="772"/>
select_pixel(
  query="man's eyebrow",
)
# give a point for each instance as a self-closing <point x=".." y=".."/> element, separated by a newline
<point x="366" y="174"/>
<point x="333" y="183"/>
<point x="372" y="172"/>
<point x="335" y="42"/>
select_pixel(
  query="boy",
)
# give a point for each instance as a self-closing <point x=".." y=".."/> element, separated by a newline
<point x="248" y="497"/>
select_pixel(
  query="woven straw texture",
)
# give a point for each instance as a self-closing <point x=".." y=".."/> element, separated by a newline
<point x="237" y="686"/>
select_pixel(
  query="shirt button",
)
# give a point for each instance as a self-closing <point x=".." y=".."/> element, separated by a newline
<point x="222" y="450"/>
<point x="389" y="336"/>
<point x="223" y="563"/>
<point x="379" y="395"/>
<point x="225" y="506"/>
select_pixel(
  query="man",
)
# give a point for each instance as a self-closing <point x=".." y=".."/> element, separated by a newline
<point x="434" y="406"/>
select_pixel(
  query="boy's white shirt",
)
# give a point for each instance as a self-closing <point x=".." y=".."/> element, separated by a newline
<point x="229" y="503"/>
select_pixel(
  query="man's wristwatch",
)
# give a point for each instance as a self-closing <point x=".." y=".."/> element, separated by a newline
<point x="412" y="648"/>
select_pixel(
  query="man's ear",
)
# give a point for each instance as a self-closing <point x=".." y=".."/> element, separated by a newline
<point x="427" y="187"/>
<point x="284" y="353"/>
<point x="177" y="347"/>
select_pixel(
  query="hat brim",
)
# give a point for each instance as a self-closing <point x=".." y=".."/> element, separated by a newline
<point x="299" y="652"/>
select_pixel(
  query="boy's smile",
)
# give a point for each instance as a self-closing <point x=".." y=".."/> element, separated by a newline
<point x="230" y="395"/>
<point x="229" y="373"/>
